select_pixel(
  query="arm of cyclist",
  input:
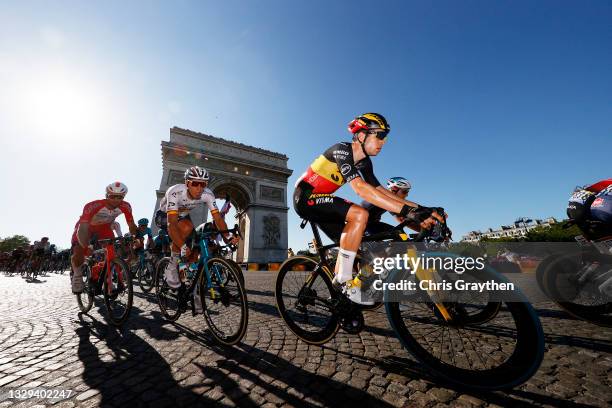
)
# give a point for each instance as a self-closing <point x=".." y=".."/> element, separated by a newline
<point x="150" y="240"/>
<point x="173" y="229"/>
<point x="386" y="200"/>
<point x="437" y="213"/>
<point x="221" y="225"/>
<point x="393" y="197"/>
<point x="83" y="234"/>
<point x="132" y="227"/>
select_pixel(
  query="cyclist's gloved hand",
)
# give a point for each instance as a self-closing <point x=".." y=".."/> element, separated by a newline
<point x="416" y="214"/>
<point x="185" y="251"/>
<point x="232" y="239"/>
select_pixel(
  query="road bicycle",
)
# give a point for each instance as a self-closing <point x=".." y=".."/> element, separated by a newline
<point x="580" y="281"/>
<point x="482" y="344"/>
<point x="106" y="274"/>
<point x="143" y="270"/>
<point x="209" y="284"/>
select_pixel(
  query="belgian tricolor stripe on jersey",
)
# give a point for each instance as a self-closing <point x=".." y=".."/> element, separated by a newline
<point x="324" y="176"/>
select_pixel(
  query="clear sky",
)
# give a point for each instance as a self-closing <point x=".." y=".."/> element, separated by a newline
<point x="498" y="108"/>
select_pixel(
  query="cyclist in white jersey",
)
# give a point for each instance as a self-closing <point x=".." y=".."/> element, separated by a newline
<point x="179" y="200"/>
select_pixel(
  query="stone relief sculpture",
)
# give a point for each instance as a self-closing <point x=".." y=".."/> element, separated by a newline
<point x="271" y="233"/>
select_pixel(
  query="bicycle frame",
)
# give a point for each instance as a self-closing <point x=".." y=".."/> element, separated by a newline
<point x="109" y="255"/>
<point x="422" y="274"/>
<point x="203" y="266"/>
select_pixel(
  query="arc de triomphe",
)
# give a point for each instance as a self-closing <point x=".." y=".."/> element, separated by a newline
<point x="255" y="179"/>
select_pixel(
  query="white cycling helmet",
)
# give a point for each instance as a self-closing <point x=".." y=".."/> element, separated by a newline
<point x="117" y="188"/>
<point x="196" y="173"/>
<point x="399" y="182"/>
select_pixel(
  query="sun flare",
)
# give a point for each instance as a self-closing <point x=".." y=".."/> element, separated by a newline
<point x="61" y="109"/>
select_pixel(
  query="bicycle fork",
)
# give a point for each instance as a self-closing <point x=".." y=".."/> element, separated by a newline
<point x="430" y="274"/>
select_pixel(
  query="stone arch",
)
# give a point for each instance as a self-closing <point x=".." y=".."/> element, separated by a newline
<point x="256" y="180"/>
<point x="240" y="193"/>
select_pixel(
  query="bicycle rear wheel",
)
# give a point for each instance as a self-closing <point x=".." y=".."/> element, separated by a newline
<point x="580" y="299"/>
<point x="225" y="305"/>
<point x="146" y="276"/>
<point x="167" y="298"/>
<point x="499" y="353"/>
<point x="86" y="298"/>
<point x="118" y="296"/>
<point x="304" y="295"/>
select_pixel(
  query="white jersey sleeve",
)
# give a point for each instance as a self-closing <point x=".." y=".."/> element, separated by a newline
<point x="209" y="198"/>
<point x="172" y="199"/>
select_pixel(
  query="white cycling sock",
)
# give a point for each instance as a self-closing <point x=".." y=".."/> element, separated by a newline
<point x="345" y="265"/>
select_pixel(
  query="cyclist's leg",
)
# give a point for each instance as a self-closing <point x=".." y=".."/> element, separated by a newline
<point x="356" y="221"/>
<point x="77" y="259"/>
<point x="185" y="227"/>
<point x="328" y="208"/>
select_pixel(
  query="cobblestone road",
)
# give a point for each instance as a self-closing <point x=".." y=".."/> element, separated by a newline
<point x="150" y="362"/>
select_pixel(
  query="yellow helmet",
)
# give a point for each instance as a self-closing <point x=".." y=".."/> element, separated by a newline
<point x="369" y="121"/>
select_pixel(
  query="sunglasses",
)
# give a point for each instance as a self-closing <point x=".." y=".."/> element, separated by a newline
<point x="379" y="135"/>
<point x="197" y="184"/>
<point x="114" y="196"/>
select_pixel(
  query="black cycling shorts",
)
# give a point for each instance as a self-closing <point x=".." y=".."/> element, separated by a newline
<point x="326" y="210"/>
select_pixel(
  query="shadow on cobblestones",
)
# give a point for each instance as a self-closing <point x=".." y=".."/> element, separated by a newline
<point x="35" y="281"/>
<point x="133" y="372"/>
<point x="275" y="377"/>
<point x="555" y="314"/>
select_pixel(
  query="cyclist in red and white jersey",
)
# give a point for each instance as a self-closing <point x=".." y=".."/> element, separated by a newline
<point x="96" y="221"/>
<point x="116" y="227"/>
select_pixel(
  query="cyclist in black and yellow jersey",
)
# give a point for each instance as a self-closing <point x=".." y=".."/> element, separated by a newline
<point x="341" y="220"/>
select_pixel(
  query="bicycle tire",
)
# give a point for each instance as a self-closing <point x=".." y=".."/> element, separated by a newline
<point x="164" y="293"/>
<point x="231" y="292"/>
<point x="524" y="361"/>
<point x="85" y="299"/>
<point x="599" y="314"/>
<point x="238" y="270"/>
<point x="118" y="319"/>
<point x="146" y="284"/>
<point x="306" y="298"/>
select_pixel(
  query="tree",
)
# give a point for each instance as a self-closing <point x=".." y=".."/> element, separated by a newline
<point x="554" y="233"/>
<point x="9" y="243"/>
<point x="307" y="253"/>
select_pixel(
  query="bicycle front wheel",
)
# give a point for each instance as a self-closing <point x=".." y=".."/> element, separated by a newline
<point x="224" y="305"/>
<point x="304" y="294"/>
<point x="167" y="298"/>
<point x="580" y="299"/>
<point x="118" y="292"/>
<point x="86" y="298"/>
<point x="501" y="352"/>
<point x="146" y="275"/>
